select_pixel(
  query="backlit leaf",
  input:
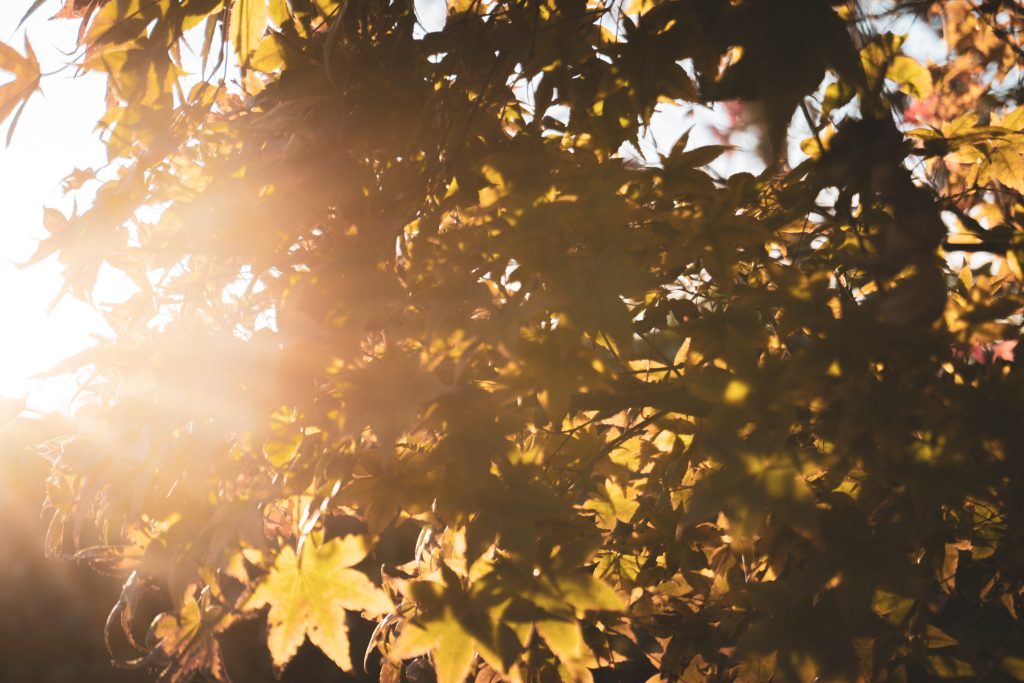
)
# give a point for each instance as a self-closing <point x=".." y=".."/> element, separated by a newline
<point x="308" y="597"/>
<point x="912" y="78"/>
<point x="248" y="22"/>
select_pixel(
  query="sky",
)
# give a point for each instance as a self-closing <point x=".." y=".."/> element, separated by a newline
<point x="55" y="134"/>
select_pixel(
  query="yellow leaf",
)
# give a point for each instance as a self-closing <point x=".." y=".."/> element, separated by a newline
<point x="613" y="504"/>
<point x="460" y="6"/>
<point x="14" y="94"/>
<point x="269" y="56"/>
<point x="936" y="638"/>
<point x="1013" y="263"/>
<point x="587" y="592"/>
<point x="188" y="637"/>
<point x="309" y="598"/>
<point x="682" y="353"/>
<point x="966" y="277"/>
<point x="1005" y="164"/>
<point x="413" y="641"/>
<point x="280" y="12"/>
<point x="564" y="638"/>
<point x="949" y="667"/>
<point x="1014" y="666"/>
<point x="280" y="451"/>
<point x="248" y="23"/>
<point x="911" y="77"/>
<point x="959" y="126"/>
<point x="452" y="646"/>
<point x="328" y="8"/>
<point x="1014" y="120"/>
<point x="454" y="654"/>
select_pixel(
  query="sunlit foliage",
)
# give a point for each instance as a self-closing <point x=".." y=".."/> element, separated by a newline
<point x="646" y="417"/>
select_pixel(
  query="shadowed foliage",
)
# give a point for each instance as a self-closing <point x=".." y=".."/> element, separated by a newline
<point x="446" y="328"/>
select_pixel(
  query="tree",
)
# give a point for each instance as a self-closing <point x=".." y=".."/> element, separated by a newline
<point x="647" y="419"/>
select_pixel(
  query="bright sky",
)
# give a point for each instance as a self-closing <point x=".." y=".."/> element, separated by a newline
<point x="54" y="136"/>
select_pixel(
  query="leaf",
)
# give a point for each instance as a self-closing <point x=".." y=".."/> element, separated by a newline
<point x="936" y="638"/>
<point x="1013" y="120"/>
<point x="1005" y="164"/>
<point x="77" y="178"/>
<point x="836" y="95"/>
<point x="247" y="25"/>
<point x="564" y="638"/>
<point x="911" y="77"/>
<point x="878" y="55"/>
<point x="949" y="667"/>
<point x="15" y="94"/>
<point x="451" y="644"/>
<point x="1014" y="667"/>
<point x="454" y="654"/>
<point x="613" y="504"/>
<point x="269" y="56"/>
<point x="586" y="592"/>
<point x="279" y="451"/>
<point x="309" y="596"/>
<point x="188" y="640"/>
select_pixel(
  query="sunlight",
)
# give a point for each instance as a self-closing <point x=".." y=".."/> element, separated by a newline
<point x="54" y="136"/>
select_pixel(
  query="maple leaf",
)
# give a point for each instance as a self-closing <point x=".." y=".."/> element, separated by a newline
<point x="1006" y="164"/>
<point x="15" y="94"/>
<point x="188" y="640"/>
<point x="452" y="645"/>
<point x="308" y="596"/>
<point x="247" y="25"/>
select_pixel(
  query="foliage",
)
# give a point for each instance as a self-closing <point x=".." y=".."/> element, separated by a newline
<point x="646" y="418"/>
<point x="51" y="613"/>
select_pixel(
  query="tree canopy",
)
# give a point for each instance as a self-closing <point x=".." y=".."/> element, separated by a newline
<point x="649" y="416"/>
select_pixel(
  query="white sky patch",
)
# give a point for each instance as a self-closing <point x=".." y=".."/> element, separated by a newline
<point x="55" y="134"/>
